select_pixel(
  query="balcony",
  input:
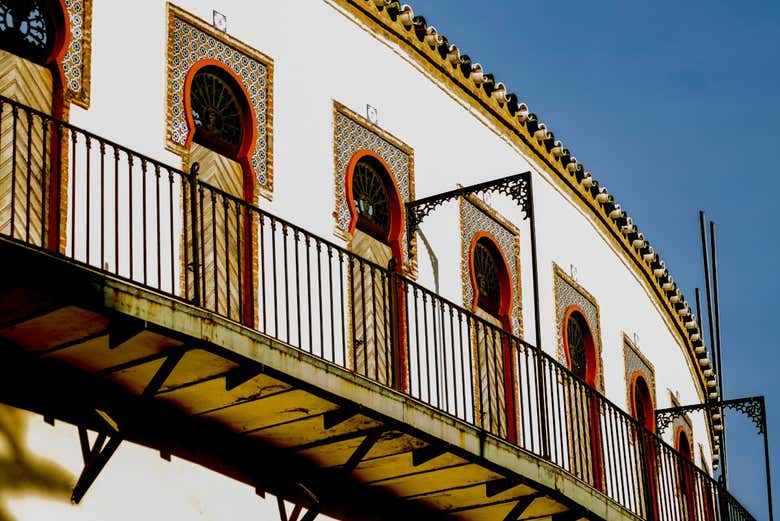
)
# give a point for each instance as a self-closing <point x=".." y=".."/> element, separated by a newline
<point x="198" y="279"/>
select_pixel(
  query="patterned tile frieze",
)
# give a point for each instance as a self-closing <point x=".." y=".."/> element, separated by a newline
<point x="353" y="133"/>
<point x="76" y="63"/>
<point x="635" y="361"/>
<point x="567" y="294"/>
<point x="475" y="217"/>
<point x="191" y="40"/>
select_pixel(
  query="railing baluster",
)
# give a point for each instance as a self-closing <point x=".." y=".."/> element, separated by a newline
<point x="102" y="205"/>
<point x="73" y="184"/>
<point x="318" y="245"/>
<point x="131" y="239"/>
<point x="171" y="245"/>
<point x="330" y="294"/>
<point x="45" y="174"/>
<point x="14" y="151"/>
<point x="286" y="283"/>
<point x="297" y="243"/>
<point x="29" y="178"/>
<point x="264" y="308"/>
<point x="239" y="266"/>
<point x="157" y="217"/>
<point x="226" y="227"/>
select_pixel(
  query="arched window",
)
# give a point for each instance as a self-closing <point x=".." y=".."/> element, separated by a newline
<point x="27" y="28"/>
<point x="685" y="476"/>
<point x="487" y="263"/>
<point x="218" y="110"/>
<point x="578" y="341"/>
<point x="644" y="412"/>
<point x="643" y="404"/>
<point x="370" y="195"/>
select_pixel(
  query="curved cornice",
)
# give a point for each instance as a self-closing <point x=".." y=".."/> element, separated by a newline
<point x="443" y="60"/>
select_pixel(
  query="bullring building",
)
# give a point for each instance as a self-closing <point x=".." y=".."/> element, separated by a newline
<point x="370" y="286"/>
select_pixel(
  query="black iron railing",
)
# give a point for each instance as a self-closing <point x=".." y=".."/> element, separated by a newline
<point x="101" y="204"/>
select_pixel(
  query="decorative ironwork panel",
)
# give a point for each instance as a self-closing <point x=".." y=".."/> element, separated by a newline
<point x="370" y="196"/>
<point x="215" y="109"/>
<point x="575" y="340"/>
<point x="752" y="407"/>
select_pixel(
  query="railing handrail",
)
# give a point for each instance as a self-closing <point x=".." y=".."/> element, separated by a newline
<point x="105" y="141"/>
<point x="601" y="400"/>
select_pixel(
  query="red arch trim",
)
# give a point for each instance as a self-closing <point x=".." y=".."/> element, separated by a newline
<point x="650" y="407"/>
<point x="591" y="357"/>
<point x="55" y="59"/>
<point x="505" y="281"/>
<point x="249" y="131"/>
<point x="505" y="315"/>
<point x="397" y="212"/>
<point x="678" y="437"/>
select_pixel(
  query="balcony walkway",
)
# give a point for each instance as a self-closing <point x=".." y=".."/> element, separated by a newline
<point x="352" y="390"/>
<point x="77" y="341"/>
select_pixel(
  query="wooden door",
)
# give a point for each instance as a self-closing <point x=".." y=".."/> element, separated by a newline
<point x="24" y="149"/>
<point x="369" y="298"/>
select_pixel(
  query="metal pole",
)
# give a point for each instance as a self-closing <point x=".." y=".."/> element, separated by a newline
<point x="766" y="459"/>
<point x="538" y="327"/>
<point x="697" y="292"/>
<point x="706" y="260"/>
<point x="717" y="349"/>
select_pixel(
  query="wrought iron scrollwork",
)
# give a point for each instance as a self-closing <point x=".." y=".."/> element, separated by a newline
<point x="752" y="407"/>
<point x="517" y="187"/>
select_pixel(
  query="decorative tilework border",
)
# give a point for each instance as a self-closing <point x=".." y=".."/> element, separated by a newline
<point x="635" y="361"/>
<point x="77" y="62"/>
<point x="352" y="133"/>
<point x="568" y="293"/>
<point x="703" y="460"/>
<point x="476" y="216"/>
<point x="190" y="40"/>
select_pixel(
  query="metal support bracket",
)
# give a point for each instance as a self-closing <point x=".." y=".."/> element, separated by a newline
<point x="517" y="186"/>
<point x="426" y="454"/>
<point x="521" y="506"/>
<point x="96" y="457"/>
<point x="310" y="514"/>
<point x="365" y="446"/>
<point x="752" y="407"/>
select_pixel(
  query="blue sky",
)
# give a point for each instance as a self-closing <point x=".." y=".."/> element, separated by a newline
<point x="674" y="106"/>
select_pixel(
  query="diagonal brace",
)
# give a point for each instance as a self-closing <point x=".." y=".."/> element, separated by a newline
<point x="100" y="453"/>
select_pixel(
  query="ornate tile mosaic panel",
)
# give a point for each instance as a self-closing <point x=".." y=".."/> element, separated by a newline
<point x="353" y="133"/>
<point x="76" y="62"/>
<point x="475" y="217"/>
<point x="568" y="293"/>
<point x="635" y="361"/>
<point x="191" y="40"/>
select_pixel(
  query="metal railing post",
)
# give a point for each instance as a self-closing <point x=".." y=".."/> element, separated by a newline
<point x="193" y="179"/>
<point x="396" y="375"/>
